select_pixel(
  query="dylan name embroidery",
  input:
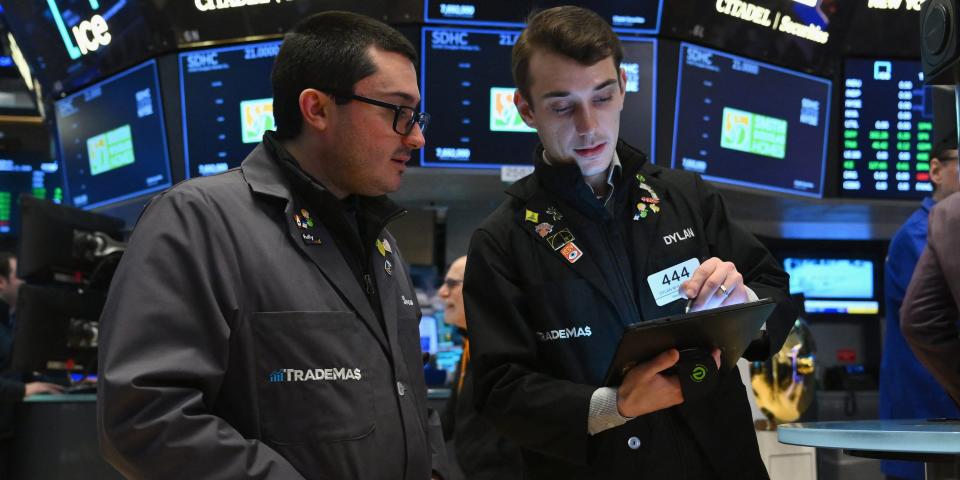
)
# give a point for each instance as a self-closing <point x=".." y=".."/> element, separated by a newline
<point x="677" y="237"/>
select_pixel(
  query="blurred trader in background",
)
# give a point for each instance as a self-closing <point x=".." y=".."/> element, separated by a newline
<point x="262" y="322"/>
<point x="930" y="316"/>
<point x="580" y="250"/>
<point x="907" y="389"/>
<point x="482" y="453"/>
<point x="13" y="388"/>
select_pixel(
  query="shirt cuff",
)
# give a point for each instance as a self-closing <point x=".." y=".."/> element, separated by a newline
<point x="751" y="295"/>
<point x="603" y="411"/>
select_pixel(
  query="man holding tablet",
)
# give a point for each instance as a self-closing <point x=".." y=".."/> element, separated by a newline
<point x="594" y="240"/>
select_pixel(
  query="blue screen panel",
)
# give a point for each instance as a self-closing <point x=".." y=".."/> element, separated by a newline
<point x="638" y="16"/>
<point x="887" y="130"/>
<point x="748" y="123"/>
<point x="112" y="139"/>
<point x="466" y="80"/>
<point x="834" y="285"/>
<point x="227" y="104"/>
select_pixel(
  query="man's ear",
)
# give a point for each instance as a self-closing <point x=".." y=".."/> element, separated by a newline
<point x="525" y="109"/>
<point x="936" y="171"/>
<point x="316" y="109"/>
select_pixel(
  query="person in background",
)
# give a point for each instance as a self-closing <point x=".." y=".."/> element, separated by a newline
<point x="13" y="387"/>
<point x="930" y="316"/>
<point x="907" y="389"/>
<point x="482" y="453"/>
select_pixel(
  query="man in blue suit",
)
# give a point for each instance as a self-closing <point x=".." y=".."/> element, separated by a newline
<point x="907" y="389"/>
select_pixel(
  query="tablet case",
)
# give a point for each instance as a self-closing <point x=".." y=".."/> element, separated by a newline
<point x="730" y="328"/>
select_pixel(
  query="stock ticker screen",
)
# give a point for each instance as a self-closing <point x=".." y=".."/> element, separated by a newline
<point x="466" y="75"/>
<point x="227" y="104"/>
<point x="887" y="130"/>
<point x="748" y="123"/>
<point x="112" y="139"/>
<point x="40" y="179"/>
<point x="638" y="16"/>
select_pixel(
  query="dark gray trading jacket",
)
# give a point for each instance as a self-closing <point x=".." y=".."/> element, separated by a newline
<point x="543" y="329"/>
<point x="236" y="344"/>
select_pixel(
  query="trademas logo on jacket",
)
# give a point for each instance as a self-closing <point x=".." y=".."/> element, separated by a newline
<point x="316" y="374"/>
<point x="564" y="334"/>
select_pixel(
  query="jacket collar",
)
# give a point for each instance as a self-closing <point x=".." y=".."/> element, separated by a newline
<point x="567" y="180"/>
<point x="261" y="173"/>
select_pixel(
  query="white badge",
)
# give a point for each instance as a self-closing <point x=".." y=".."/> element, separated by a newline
<point x="665" y="284"/>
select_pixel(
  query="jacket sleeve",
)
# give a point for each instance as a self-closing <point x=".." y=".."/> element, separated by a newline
<point x="11" y="391"/>
<point x="164" y="348"/>
<point x="761" y="272"/>
<point x="931" y="309"/>
<point x="536" y="410"/>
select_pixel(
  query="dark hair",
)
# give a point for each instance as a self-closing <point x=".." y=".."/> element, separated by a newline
<point x="570" y="31"/>
<point x="5" y="270"/>
<point x="949" y="142"/>
<point x="328" y="52"/>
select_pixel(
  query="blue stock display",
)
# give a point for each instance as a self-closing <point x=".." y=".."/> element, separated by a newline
<point x="112" y="140"/>
<point x="465" y="75"/>
<point x="227" y="104"/>
<point x="887" y="130"/>
<point x="748" y="123"/>
<point x="640" y="16"/>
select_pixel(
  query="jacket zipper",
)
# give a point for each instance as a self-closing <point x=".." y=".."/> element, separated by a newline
<point x="624" y="287"/>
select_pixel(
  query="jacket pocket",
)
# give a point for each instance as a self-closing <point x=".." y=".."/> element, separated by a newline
<point x="313" y="378"/>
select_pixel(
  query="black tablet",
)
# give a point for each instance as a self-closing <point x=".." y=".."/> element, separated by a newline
<point x="730" y="328"/>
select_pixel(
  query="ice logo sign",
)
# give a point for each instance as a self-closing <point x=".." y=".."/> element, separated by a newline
<point x="256" y="117"/>
<point x="753" y="133"/>
<point x="89" y="34"/>
<point x="504" y="116"/>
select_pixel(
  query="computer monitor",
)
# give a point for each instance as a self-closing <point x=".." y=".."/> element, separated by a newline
<point x="112" y="140"/>
<point x="227" y="104"/>
<point x="33" y="178"/>
<point x="748" y="123"/>
<point x="887" y="130"/>
<point x="638" y="16"/>
<point x="834" y="285"/>
<point x="56" y="329"/>
<point x="54" y="241"/>
<point x="466" y="73"/>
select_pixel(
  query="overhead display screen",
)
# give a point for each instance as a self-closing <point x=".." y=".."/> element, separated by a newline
<point x="748" y="123"/>
<point x="639" y="16"/>
<point x="467" y="73"/>
<point x="887" y="130"/>
<point x="112" y="139"/>
<point x="40" y="179"/>
<point x="227" y="104"/>
<point x="70" y="43"/>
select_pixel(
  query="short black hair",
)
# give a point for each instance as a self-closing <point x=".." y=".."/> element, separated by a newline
<point x="949" y="142"/>
<point x="327" y="52"/>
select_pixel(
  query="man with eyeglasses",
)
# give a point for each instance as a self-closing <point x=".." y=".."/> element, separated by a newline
<point x="262" y="323"/>
<point x="481" y="452"/>
<point x="907" y="388"/>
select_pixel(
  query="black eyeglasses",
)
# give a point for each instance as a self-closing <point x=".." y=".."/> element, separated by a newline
<point x="452" y="282"/>
<point x="403" y="117"/>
